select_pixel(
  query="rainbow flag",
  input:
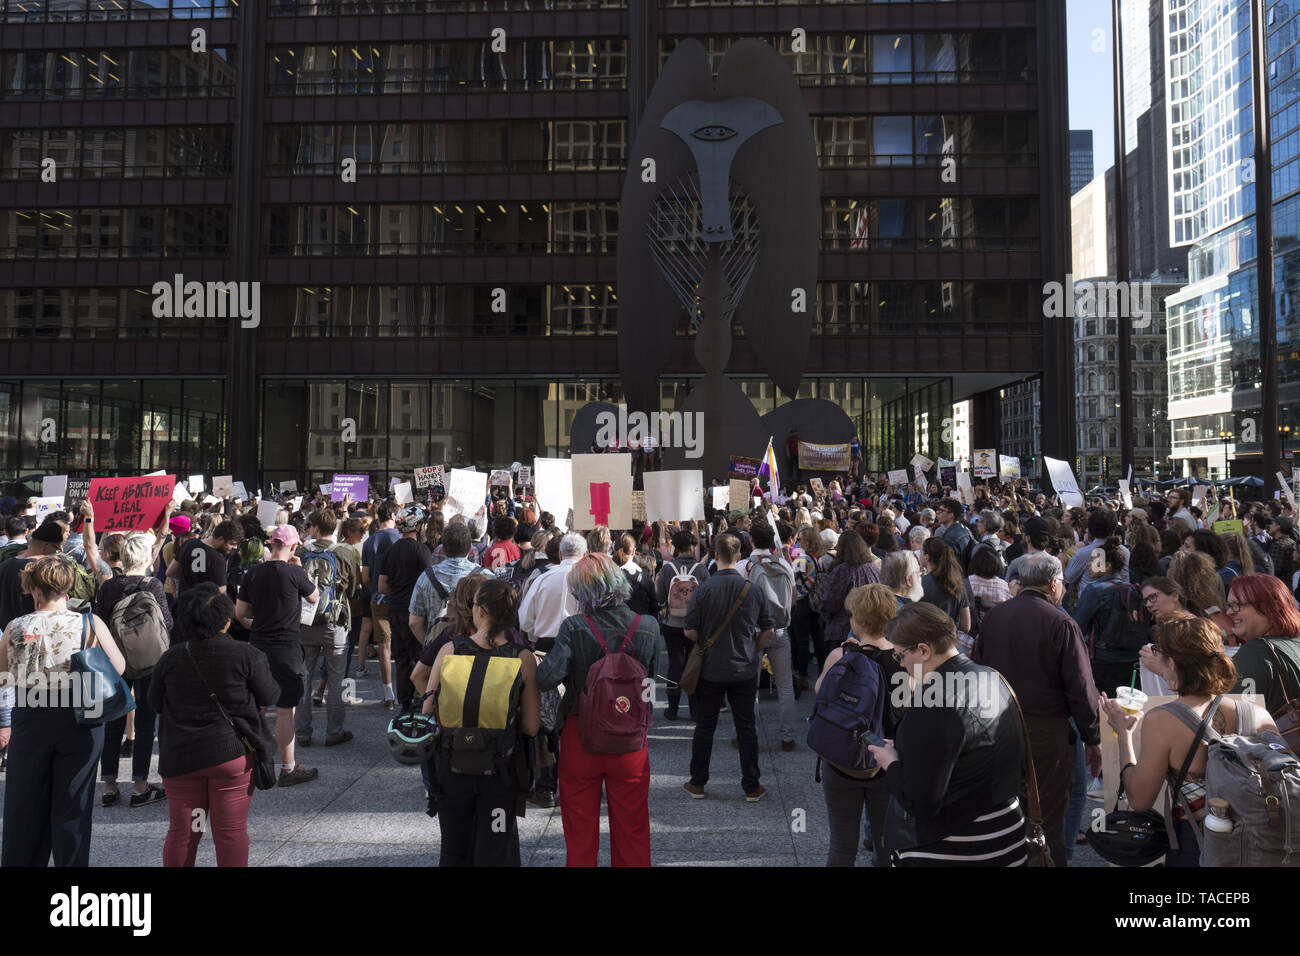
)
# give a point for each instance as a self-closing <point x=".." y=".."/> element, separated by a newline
<point x="768" y="467"/>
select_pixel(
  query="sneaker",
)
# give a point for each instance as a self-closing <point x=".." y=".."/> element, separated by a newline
<point x="390" y="704"/>
<point x="317" y="701"/>
<point x="299" y="774"/>
<point x="303" y="741"/>
<point x="787" y="745"/>
<point x="696" y="792"/>
<point x="128" y="747"/>
<point x="110" y="799"/>
<point x="151" y="794"/>
<point x="354" y="699"/>
<point x="756" y="795"/>
<point x="342" y="737"/>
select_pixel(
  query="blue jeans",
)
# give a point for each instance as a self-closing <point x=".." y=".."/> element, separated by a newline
<point x="1078" y="795"/>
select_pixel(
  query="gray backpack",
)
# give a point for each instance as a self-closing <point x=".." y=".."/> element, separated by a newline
<point x="141" y="633"/>
<point x="769" y="574"/>
<point x="1259" y="777"/>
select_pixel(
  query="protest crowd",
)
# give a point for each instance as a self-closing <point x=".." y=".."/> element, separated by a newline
<point x="970" y="647"/>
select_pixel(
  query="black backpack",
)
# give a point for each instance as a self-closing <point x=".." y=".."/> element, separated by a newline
<point x="1129" y="626"/>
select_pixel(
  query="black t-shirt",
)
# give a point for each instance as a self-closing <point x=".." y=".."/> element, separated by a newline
<point x="275" y="590"/>
<point x="404" y="562"/>
<point x="13" y="602"/>
<point x="212" y="564"/>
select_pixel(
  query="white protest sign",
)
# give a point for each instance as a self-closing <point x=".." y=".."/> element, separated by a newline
<point x="267" y="511"/>
<point x="1124" y="494"/>
<point x="240" y="491"/>
<point x="288" y="487"/>
<point x="1008" y="467"/>
<point x="428" y="477"/>
<point x="54" y="486"/>
<point x="525" y="476"/>
<point x="964" y="486"/>
<point x="180" y="492"/>
<point x="195" y="483"/>
<point x="1067" y="488"/>
<point x="1198" y="495"/>
<point x="327" y="488"/>
<point x="898" y="476"/>
<point x="46" y="505"/>
<point x="211" y="500"/>
<point x="1286" y="490"/>
<point x="553" y="487"/>
<point x="921" y="462"/>
<point x="155" y="474"/>
<point x="466" y="489"/>
<point x="297" y="503"/>
<point x="602" y="491"/>
<point x="921" y="480"/>
<point x="721" y="496"/>
<point x="499" y="478"/>
<point x="403" y="491"/>
<point x="223" y="486"/>
<point x="986" y="463"/>
<point x="674" y="495"/>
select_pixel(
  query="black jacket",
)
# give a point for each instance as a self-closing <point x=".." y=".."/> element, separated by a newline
<point x="192" y="734"/>
<point x="956" y="761"/>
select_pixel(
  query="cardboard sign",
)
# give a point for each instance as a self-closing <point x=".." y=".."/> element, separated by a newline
<point x="921" y="462"/>
<point x="288" y="487"/>
<point x="898" y="476"/>
<point x="602" y="491"/>
<point x="921" y="480"/>
<point x="986" y="463"/>
<point x="403" y="491"/>
<point x="48" y="504"/>
<point x="553" y="487"/>
<point x="223" y="486"/>
<point x="428" y="477"/>
<point x="964" y="486"/>
<point x="1229" y="527"/>
<point x="638" y="506"/>
<point x="267" y="511"/>
<point x="1064" y="482"/>
<point x="738" y="494"/>
<point x="358" y="486"/>
<point x="1198" y="495"/>
<point x="818" y="486"/>
<point x="54" y="486"/>
<point x="78" y="489"/>
<point x="721" y="496"/>
<point x="525" y="476"/>
<point x="743" y="467"/>
<point x="238" y="490"/>
<point x="1008" y="467"/>
<point x="814" y="457"/>
<point x="195" y="483"/>
<point x="1286" y="490"/>
<point x="466" y="490"/>
<point x="674" y="495"/>
<point x="129" y="504"/>
<point x="499" y="478"/>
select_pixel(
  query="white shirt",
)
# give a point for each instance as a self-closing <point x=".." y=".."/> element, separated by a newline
<point x="548" y="602"/>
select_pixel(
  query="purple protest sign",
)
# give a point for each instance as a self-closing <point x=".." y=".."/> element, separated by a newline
<point x="356" y="485"/>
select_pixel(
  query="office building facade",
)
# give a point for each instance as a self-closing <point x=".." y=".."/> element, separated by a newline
<point x="427" y="195"/>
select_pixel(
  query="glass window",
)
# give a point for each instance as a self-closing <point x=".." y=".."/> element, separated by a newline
<point x="891" y="140"/>
<point x="891" y="58"/>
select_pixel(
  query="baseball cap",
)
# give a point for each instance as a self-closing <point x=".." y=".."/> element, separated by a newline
<point x="180" y="524"/>
<point x="286" y="534"/>
<point x="1035" y="526"/>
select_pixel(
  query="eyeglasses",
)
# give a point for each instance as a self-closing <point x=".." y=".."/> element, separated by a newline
<point x="901" y="652"/>
<point x="1235" y="606"/>
<point x="1151" y="599"/>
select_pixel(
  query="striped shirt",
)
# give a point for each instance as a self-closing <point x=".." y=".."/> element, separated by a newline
<point x="996" y="838"/>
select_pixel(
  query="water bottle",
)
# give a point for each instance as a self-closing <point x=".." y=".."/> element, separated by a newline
<point x="1218" y="820"/>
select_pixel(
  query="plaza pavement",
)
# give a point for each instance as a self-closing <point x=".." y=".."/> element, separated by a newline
<point x="365" y="809"/>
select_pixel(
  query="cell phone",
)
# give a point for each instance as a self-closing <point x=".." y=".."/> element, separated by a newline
<point x="873" y="739"/>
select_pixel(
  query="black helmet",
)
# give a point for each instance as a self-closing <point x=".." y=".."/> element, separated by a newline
<point x="409" y="519"/>
<point x="413" y="738"/>
<point x="1131" y="838"/>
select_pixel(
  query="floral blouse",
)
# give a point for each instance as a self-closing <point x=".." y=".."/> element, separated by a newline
<point x="43" y="642"/>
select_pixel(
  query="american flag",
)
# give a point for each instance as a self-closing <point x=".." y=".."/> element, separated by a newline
<point x="860" y="242"/>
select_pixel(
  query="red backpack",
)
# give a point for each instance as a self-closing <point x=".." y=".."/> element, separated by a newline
<point x="613" y="712"/>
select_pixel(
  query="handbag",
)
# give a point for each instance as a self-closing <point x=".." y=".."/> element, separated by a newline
<point x="106" y="695"/>
<point x="1035" y="837"/>
<point x="695" y="660"/>
<point x="254" y="741"/>
<point x="1287" y="717"/>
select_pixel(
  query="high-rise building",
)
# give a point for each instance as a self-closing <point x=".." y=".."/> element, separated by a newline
<point x="432" y="214"/>
<point x="1081" y="161"/>
<point x="1213" y="328"/>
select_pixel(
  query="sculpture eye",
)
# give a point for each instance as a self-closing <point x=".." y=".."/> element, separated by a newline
<point x="714" y="133"/>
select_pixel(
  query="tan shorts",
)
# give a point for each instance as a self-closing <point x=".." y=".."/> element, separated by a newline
<point x="380" y="631"/>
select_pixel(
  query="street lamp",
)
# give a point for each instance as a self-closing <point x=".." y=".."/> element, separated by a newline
<point x="1285" y="432"/>
<point x="1225" y="437"/>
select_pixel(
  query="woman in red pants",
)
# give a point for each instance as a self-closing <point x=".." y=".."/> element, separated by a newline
<point x="204" y="765"/>
<point x="601" y="590"/>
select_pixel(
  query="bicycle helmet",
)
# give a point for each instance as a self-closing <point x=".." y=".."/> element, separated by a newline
<point x="409" y="518"/>
<point x="413" y="738"/>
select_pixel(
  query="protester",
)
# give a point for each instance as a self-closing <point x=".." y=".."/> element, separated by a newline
<point x="600" y="590"/>
<point x="953" y="770"/>
<point x="682" y="566"/>
<point x="332" y="568"/>
<point x="376" y="625"/>
<point x="202" y="759"/>
<point x="50" y="782"/>
<point x="404" y="563"/>
<point x="774" y="578"/>
<point x="943" y="584"/>
<point x="854" y="567"/>
<point x="1265" y="619"/>
<point x="1095" y="614"/>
